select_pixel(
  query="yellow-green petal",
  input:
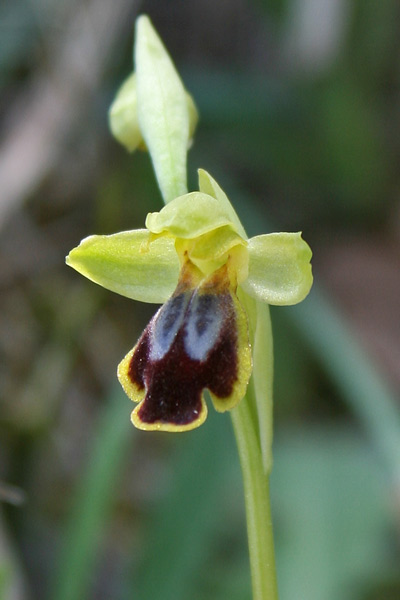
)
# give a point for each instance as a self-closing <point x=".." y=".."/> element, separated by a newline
<point x="127" y="264"/>
<point x="279" y="268"/>
<point x="190" y="216"/>
<point x="122" y="116"/>
<point x="162" y="110"/>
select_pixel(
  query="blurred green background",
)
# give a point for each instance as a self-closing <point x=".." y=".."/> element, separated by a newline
<point x="299" y="105"/>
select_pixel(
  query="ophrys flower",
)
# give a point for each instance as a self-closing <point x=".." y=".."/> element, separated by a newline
<point x="193" y="256"/>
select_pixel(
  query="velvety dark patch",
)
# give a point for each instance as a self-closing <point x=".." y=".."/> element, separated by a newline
<point x="139" y="360"/>
<point x="174" y="383"/>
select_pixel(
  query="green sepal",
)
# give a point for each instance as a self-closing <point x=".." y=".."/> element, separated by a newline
<point x="279" y="268"/>
<point x="128" y="264"/>
<point x="208" y="185"/>
<point x="190" y="216"/>
<point x="163" y="111"/>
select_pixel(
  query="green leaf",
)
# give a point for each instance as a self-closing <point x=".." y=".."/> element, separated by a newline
<point x="279" y="268"/>
<point x="126" y="263"/>
<point x="162" y="110"/>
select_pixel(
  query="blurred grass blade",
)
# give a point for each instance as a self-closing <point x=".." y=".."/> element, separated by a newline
<point x="335" y="536"/>
<point x="93" y="501"/>
<point x="182" y="528"/>
<point x="341" y="355"/>
<point x="354" y="374"/>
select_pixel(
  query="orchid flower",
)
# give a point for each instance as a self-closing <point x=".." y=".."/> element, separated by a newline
<point x="193" y="256"/>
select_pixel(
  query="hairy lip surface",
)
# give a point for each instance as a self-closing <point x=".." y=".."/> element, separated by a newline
<point x="189" y="345"/>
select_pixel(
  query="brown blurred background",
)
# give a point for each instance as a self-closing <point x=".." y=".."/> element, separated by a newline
<point x="299" y="105"/>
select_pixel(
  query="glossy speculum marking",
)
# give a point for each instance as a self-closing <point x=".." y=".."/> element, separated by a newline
<point x="189" y="345"/>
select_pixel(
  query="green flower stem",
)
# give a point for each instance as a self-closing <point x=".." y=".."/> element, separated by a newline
<point x="252" y="424"/>
<point x="258" y="512"/>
